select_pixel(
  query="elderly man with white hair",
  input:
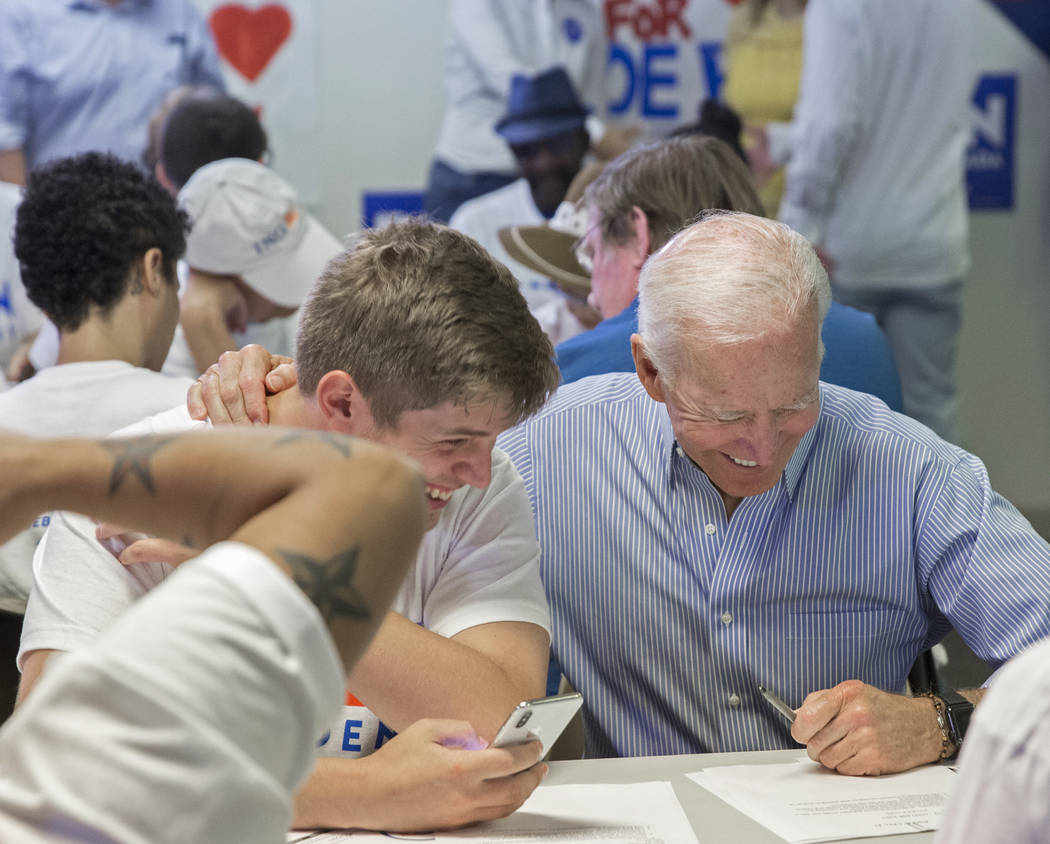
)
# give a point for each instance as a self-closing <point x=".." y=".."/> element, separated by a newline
<point x="724" y="521"/>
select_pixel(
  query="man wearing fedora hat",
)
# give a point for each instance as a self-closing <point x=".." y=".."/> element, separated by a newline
<point x="544" y="128"/>
<point x="673" y="180"/>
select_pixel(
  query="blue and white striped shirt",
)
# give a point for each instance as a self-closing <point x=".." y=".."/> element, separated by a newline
<point x="667" y="615"/>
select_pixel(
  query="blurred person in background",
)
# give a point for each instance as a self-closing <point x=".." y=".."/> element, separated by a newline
<point x="876" y="179"/>
<point x="88" y="75"/>
<point x="97" y="241"/>
<point x="544" y="127"/>
<point x="489" y="42"/>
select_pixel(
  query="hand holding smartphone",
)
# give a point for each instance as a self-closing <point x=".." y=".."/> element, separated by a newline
<point x="542" y="719"/>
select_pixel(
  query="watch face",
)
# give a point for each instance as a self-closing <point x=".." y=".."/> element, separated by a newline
<point x="958" y="717"/>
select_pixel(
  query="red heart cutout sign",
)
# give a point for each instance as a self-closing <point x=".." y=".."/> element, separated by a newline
<point x="249" y="38"/>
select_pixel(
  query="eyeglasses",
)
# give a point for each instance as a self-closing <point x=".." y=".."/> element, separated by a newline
<point x="583" y="252"/>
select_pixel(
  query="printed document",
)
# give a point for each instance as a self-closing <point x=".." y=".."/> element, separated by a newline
<point x="803" y="801"/>
<point x="639" y="813"/>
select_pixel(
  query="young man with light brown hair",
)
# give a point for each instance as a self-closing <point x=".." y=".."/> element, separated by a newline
<point x="417" y="339"/>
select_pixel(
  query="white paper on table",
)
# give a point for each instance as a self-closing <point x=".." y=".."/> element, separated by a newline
<point x="802" y="801"/>
<point x="639" y="813"/>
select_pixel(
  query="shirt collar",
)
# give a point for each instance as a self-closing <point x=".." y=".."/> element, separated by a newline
<point x="797" y="464"/>
<point x="667" y="444"/>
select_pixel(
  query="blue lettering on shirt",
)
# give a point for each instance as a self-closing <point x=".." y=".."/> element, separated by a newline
<point x="352" y="731"/>
<point x="382" y="734"/>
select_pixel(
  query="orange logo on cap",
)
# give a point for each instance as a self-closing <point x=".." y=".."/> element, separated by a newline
<point x="291" y="217"/>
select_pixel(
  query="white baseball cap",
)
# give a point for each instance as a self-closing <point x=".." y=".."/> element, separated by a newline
<point x="247" y="221"/>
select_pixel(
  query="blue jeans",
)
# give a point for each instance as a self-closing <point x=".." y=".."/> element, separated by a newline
<point x="447" y="189"/>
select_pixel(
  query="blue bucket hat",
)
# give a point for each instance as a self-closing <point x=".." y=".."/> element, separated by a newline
<point x="541" y="107"/>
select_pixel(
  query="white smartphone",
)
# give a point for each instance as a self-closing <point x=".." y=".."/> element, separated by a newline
<point x="542" y="719"/>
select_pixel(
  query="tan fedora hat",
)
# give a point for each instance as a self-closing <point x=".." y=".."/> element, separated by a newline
<point x="548" y="248"/>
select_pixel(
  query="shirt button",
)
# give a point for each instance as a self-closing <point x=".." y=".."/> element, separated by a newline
<point x="680" y="451"/>
<point x="734" y="700"/>
<point x="727" y="618"/>
<point x="709" y="529"/>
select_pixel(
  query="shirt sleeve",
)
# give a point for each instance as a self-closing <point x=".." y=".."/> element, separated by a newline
<point x="205" y="68"/>
<point x="491" y="569"/>
<point x="595" y="81"/>
<point x="16" y="39"/>
<point x="1004" y="770"/>
<point x="983" y="564"/>
<point x="181" y="725"/>
<point x="482" y="29"/>
<point x="79" y="587"/>
<point x="827" y="115"/>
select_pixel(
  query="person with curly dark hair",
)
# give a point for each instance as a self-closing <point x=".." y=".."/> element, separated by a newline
<point x="89" y="230"/>
<point x="97" y="241"/>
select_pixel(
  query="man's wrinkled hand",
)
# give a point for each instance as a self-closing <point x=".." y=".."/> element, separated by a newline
<point x="233" y="391"/>
<point x="858" y="729"/>
<point x="432" y="780"/>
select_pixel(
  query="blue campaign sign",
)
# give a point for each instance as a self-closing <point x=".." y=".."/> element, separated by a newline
<point x="1032" y="17"/>
<point x="665" y="57"/>
<point x="380" y="207"/>
<point x="990" y="157"/>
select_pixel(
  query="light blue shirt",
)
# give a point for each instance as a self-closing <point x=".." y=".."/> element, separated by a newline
<point x="666" y="616"/>
<point x="79" y="76"/>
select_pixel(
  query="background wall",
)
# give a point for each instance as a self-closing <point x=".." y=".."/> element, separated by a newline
<point x="1005" y="345"/>
<point x="376" y="89"/>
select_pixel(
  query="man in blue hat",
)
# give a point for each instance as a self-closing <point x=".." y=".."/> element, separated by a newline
<point x="544" y="128"/>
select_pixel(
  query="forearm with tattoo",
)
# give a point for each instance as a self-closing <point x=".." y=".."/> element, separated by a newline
<point x="329" y="584"/>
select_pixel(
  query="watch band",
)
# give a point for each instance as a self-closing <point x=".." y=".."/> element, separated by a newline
<point x="957" y="712"/>
<point x="947" y="748"/>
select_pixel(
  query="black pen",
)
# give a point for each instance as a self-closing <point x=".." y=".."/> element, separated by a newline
<point x="778" y="704"/>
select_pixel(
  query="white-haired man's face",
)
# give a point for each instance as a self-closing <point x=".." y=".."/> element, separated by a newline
<point x="746" y="407"/>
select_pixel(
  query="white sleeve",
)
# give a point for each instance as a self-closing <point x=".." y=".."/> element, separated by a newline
<point x="595" y="81"/>
<point x="179" y="725"/>
<point x="490" y="566"/>
<point x="828" y="114"/>
<point x="483" y="30"/>
<point x="1004" y="768"/>
<point x="79" y="587"/>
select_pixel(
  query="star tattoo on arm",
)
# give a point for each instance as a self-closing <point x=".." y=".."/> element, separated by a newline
<point x="329" y="584"/>
<point x="336" y="441"/>
<point x="132" y="457"/>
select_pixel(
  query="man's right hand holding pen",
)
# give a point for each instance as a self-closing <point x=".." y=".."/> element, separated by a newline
<point x="857" y="729"/>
